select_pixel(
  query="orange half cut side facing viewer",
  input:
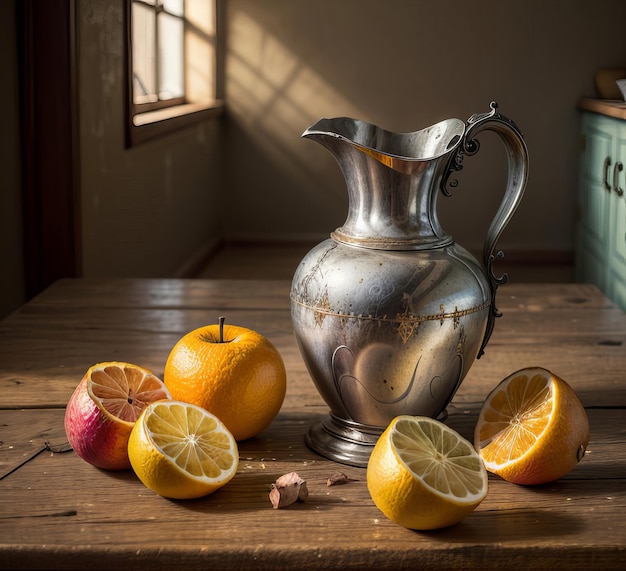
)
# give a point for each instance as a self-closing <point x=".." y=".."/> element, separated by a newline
<point x="532" y="428"/>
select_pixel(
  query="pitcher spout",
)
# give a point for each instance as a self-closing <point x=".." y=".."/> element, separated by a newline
<point x="399" y="151"/>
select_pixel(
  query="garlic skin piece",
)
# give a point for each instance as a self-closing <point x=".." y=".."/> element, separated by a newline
<point x="288" y="489"/>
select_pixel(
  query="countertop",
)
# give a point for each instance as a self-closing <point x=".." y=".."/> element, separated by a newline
<point x="58" y="512"/>
<point x="609" y="107"/>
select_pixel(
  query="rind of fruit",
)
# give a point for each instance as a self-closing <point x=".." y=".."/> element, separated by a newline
<point x="185" y="455"/>
<point x="97" y="436"/>
<point x="412" y="499"/>
<point x="242" y="381"/>
<point x="560" y="444"/>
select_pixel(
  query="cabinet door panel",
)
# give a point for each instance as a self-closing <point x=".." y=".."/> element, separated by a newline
<point x="601" y="230"/>
<point x="618" y="208"/>
<point x="617" y="245"/>
<point x="590" y="261"/>
<point x="593" y="196"/>
<point x="616" y="280"/>
<point x="616" y="290"/>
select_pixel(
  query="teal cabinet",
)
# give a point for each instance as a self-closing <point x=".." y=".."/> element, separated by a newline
<point x="601" y="229"/>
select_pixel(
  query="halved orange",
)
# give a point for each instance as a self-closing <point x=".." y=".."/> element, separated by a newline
<point x="103" y="409"/>
<point x="532" y="428"/>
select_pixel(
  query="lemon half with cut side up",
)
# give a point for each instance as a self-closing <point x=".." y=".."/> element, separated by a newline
<point x="181" y="451"/>
<point x="424" y="475"/>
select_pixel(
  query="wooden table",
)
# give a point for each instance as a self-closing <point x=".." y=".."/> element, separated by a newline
<point x="57" y="512"/>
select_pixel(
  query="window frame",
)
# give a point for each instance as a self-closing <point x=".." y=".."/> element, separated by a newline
<point x="145" y="121"/>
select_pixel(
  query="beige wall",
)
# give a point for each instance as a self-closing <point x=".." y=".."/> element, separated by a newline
<point x="405" y="64"/>
<point x="148" y="210"/>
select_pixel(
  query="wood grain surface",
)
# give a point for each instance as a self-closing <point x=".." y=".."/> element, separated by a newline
<point x="57" y="512"/>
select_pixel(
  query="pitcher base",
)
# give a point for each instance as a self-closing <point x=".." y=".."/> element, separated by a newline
<point x="344" y="441"/>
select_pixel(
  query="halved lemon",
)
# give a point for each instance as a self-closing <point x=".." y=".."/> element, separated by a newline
<point x="424" y="475"/>
<point x="181" y="451"/>
<point x="532" y="428"/>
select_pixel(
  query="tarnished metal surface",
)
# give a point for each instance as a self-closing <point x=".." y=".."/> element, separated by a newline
<point x="389" y="313"/>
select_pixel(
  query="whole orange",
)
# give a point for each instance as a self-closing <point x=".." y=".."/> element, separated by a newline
<point x="233" y="372"/>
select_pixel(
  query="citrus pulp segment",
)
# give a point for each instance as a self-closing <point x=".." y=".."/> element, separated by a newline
<point x="424" y="475"/>
<point x="124" y="390"/>
<point x="532" y="428"/>
<point x="181" y="451"/>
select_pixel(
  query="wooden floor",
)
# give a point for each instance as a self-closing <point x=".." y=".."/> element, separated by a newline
<point x="279" y="261"/>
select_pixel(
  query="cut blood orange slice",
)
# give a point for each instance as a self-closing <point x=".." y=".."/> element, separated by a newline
<point x="103" y="409"/>
<point x="123" y="390"/>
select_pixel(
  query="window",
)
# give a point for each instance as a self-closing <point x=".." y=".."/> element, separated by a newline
<point x="173" y="61"/>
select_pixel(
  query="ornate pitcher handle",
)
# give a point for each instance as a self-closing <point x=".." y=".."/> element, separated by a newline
<point x="517" y="156"/>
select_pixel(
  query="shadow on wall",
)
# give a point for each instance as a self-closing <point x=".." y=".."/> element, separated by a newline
<point x="405" y="65"/>
<point x="272" y="98"/>
<point x="290" y="187"/>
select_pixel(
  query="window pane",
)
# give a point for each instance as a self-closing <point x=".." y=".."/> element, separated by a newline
<point x="174" y="7"/>
<point x="144" y="49"/>
<point x="200" y="50"/>
<point x="171" y="75"/>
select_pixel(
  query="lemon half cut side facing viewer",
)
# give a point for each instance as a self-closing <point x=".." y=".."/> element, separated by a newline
<point x="424" y="475"/>
<point x="532" y="428"/>
<point x="181" y="451"/>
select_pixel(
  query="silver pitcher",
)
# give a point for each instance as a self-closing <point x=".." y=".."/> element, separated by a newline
<point x="389" y="313"/>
